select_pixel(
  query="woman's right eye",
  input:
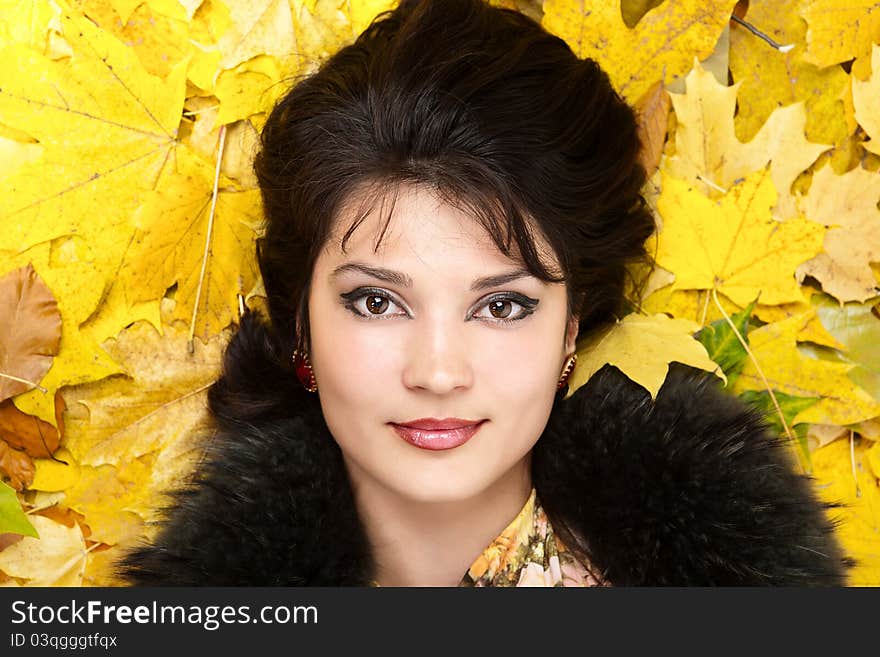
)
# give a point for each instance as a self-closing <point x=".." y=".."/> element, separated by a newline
<point x="371" y="304"/>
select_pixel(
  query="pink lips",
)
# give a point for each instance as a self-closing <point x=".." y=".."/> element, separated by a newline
<point x="431" y="433"/>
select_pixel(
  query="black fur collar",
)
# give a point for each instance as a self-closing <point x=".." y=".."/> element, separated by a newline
<point x="686" y="490"/>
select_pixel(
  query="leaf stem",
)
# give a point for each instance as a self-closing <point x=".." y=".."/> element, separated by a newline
<point x="30" y="383"/>
<point x="146" y="417"/>
<point x="188" y="112"/>
<point x="758" y="33"/>
<point x="214" y="194"/>
<point x="713" y="185"/>
<point x="754" y="360"/>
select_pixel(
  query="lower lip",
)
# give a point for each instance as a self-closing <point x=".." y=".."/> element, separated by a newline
<point x="440" y="439"/>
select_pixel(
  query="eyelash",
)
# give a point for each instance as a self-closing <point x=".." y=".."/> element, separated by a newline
<point x="349" y="299"/>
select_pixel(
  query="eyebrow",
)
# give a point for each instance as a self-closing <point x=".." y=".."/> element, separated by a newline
<point x="402" y="280"/>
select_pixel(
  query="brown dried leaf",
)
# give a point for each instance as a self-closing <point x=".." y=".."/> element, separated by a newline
<point x="6" y="540"/>
<point x="653" y="114"/>
<point x="28" y="432"/>
<point x="30" y="330"/>
<point x="16" y="467"/>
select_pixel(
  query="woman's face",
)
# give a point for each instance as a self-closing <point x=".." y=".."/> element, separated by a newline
<point x="417" y="330"/>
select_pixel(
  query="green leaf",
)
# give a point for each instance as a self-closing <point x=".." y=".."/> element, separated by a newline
<point x="722" y="344"/>
<point x="12" y="518"/>
<point x="790" y="405"/>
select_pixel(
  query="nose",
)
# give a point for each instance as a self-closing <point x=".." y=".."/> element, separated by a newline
<point x="438" y="358"/>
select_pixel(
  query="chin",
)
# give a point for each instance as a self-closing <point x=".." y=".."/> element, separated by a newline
<point x="438" y="491"/>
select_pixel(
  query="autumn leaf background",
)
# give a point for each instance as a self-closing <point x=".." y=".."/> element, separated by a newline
<point x="129" y="211"/>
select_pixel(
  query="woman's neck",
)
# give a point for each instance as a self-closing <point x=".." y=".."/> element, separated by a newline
<point x="433" y="544"/>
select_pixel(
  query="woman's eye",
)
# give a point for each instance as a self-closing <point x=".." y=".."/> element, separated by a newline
<point x="506" y="309"/>
<point x="370" y="304"/>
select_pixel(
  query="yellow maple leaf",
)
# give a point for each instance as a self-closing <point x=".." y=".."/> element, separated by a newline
<point x="112" y="145"/>
<point x="708" y="152"/>
<point x="258" y="27"/>
<point x="133" y="436"/>
<point x="106" y="495"/>
<point x="97" y="145"/>
<point x="160" y="401"/>
<point x="848" y="204"/>
<point x="169" y="245"/>
<point x="250" y="88"/>
<point x="839" y="30"/>
<point x="843" y="475"/>
<point x="117" y="308"/>
<point x="661" y="46"/>
<point x="866" y="102"/>
<point x="642" y="347"/>
<point x="771" y="79"/>
<point x="775" y="348"/>
<point x="733" y="244"/>
<point x="157" y="31"/>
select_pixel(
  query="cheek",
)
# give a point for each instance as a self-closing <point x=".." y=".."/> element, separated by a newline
<point x="517" y="373"/>
<point x="349" y="356"/>
<point x="521" y="363"/>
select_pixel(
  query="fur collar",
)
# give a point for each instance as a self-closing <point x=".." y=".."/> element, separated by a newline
<point x="688" y="489"/>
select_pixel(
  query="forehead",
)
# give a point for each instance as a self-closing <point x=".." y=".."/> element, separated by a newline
<point x="413" y="223"/>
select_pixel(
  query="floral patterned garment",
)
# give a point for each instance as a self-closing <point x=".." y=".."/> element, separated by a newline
<point x="528" y="553"/>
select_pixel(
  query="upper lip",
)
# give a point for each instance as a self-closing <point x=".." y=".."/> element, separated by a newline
<point x="434" y="424"/>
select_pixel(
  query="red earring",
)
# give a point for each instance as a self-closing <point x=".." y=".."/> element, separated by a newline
<point x="304" y="371"/>
<point x="566" y="373"/>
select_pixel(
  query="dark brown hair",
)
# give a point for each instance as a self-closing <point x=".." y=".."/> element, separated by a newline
<point x="490" y="112"/>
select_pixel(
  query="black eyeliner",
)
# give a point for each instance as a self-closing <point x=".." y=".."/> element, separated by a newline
<point x="362" y="291"/>
<point x="521" y="299"/>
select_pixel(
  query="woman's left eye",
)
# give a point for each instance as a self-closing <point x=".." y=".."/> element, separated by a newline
<point x="502" y="308"/>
